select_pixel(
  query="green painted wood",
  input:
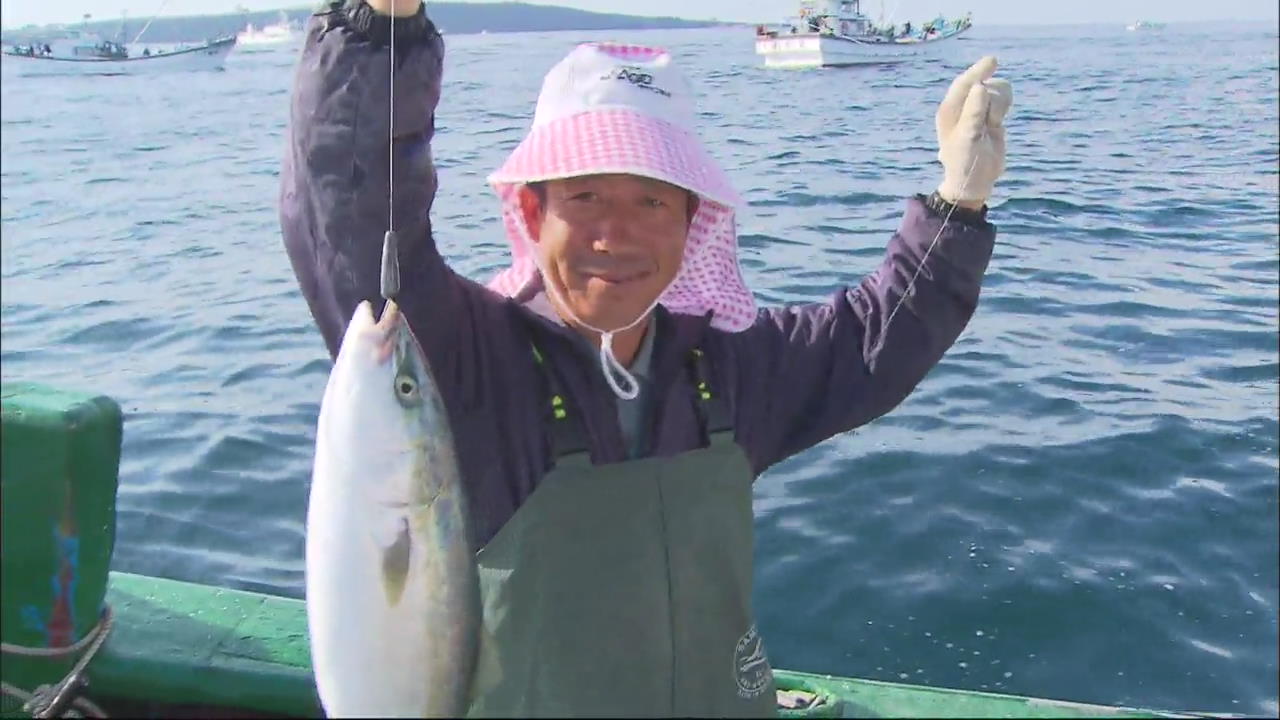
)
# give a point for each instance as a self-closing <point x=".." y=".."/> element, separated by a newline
<point x="59" y="454"/>
<point x="184" y="643"/>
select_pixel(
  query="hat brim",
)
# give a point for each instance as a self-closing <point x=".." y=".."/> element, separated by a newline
<point x="616" y="140"/>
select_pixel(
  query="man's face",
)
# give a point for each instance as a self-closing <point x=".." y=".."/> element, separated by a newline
<point x="610" y="243"/>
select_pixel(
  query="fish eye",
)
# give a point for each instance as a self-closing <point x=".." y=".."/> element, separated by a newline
<point x="406" y="387"/>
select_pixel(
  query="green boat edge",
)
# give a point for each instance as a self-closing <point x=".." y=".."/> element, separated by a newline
<point x="183" y="649"/>
<point x="176" y="643"/>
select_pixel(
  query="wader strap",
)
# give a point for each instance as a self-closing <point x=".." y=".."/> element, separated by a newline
<point x="713" y="411"/>
<point x="568" y="436"/>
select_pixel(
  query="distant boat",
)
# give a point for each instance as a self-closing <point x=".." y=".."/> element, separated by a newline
<point x="832" y="33"/>
<point x="79" y="52"/>
<point x="1144" y="25"/>
<point x="278" y="33"/>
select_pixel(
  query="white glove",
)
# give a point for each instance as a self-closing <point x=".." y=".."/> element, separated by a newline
<point x="971" y="134"/>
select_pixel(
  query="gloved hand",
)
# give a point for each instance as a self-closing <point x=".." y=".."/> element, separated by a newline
<point x="971" y="134"/>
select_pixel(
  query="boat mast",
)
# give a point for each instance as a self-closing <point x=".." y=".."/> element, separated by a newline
<point x="153" y="17"/>
<point x="893" y="11"/>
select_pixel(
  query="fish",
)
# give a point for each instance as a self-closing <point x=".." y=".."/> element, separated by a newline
<point x="392" y="594"/>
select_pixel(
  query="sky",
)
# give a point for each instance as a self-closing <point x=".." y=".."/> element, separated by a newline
<point x="15" y="13"/>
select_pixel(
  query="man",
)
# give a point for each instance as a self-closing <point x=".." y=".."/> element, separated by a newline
<point x="615" y="392"/>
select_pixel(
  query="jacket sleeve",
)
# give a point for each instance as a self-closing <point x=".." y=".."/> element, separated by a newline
<point x="809" y="372"/>
<point x="335" y="186"/>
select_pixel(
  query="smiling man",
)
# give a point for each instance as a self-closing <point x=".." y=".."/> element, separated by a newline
<point x="609" y="245"/>
<point x="615" y="392"/>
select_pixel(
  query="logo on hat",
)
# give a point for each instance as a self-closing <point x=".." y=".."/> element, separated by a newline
<point x="636" y="77"/>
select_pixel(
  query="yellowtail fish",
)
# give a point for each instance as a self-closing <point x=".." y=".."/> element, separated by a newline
<point x="393" y="603"/>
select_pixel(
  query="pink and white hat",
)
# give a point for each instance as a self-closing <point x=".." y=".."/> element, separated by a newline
<point x="611" y="108"/>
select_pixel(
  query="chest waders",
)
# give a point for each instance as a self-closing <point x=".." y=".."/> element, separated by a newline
<point x="625" y="589"/>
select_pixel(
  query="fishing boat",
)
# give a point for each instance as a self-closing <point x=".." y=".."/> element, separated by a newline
<point x="79" y="52"/>
<point x="80" y="637"/>
<point x="834" y="33"/>
<point x="1138" y="25"/>
<point x="277" y="33"/>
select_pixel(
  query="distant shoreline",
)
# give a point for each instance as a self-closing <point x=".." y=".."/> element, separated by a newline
<point x="452" y="17"/>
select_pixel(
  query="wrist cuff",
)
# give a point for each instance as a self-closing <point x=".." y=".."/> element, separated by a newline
<point x="944" y="209"/>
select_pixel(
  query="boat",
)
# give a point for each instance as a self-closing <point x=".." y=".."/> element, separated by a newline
<point x="80" y="636"/>
<point x="1144" y="25"/>
<point x="278" y="33"/>
<point x="79" y="52"/>
<point x="835" y="33"/>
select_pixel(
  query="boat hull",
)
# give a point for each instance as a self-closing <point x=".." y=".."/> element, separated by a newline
<point x="206" y="57"/>
<point x="811" y="50"/>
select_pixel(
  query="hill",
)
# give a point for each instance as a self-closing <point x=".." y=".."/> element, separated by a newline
<point x="453" y="17"/>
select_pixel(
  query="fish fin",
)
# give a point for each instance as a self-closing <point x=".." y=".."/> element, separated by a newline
<point x="488" y="670"/>
<point x="395" y="563"/>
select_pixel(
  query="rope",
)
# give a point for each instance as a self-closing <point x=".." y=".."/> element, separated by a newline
<point x="51" y="652"/>
<point x="87" y="707"/>
<point x="49" y="699"/>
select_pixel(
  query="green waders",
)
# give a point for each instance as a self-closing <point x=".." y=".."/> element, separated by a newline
<point x="625" y="589"/>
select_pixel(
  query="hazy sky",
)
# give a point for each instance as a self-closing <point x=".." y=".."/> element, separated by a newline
<point x="14" y="13"/>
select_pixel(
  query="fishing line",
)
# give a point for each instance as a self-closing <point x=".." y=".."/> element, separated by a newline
<point x="391" y="118"/>
<point x="911" y="285"/>
<point x="390" y="284"/>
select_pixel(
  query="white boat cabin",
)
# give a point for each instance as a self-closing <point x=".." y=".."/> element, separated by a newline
<point x="832" y="17"/>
